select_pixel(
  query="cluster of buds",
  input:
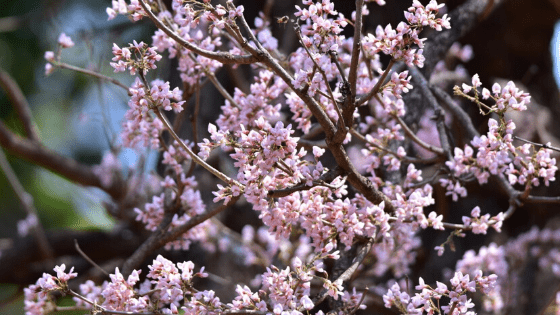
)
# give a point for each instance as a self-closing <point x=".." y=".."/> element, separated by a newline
<point x="138" y="57"/>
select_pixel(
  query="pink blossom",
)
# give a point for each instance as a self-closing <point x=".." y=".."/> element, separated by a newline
<point x="118" y="7"/>
<point x="27" y="224"/>
<point x="49" y="56"/>
<point x="65" y="41"/>
<point x="49" y="69"/>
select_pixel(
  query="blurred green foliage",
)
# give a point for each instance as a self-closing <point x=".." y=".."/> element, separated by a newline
<point x="58" y="102"/>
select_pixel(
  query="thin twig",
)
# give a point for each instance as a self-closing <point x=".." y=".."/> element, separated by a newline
<point x="162" y="237"/>
<point x="86" y="257"/>
<point x="467" y="125"/>
<point x="259" y="251"/>
<point x="93" y="74"/>
<point x="376" y="87"/>
<point x="194" y="221"/>
<point x="103" y="310"/>
<point x="149" y="244"/>
<point x="423" y="84"/>
<point x="407" y="159"/>
<point x="212" y="77"/>
<point x="194" y="127"/>
<point x="544" y="146"/>
<point x="268" y="60"/>
<point x="357" y="307"/>
<point x="413" y="137"/>
<point x="360" y="182"/>
<point x="188" y="91"/>
<point x="334" y="59"/>
<point x="456" y="111"/>
<point x="195" y="157"/>
<point x="27" y="202"/>
<point x="348" y="272"/>
<point x="323" y="74"/>
<point x="454" y="226"/>
<point x="327" y="177"/>
<point x="223" y="57"/>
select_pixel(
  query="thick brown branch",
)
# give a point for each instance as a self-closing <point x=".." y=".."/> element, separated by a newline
<point x="361" y="183"/>
<point x="22" y="262"/>
<point x="327" y="177"/>
<point x="354" y="62"/>
<point x="20" y="104"/>
<point x="542" y="199"/>
<point x="358" y="181"/>
<point x="161" y="237"/>
<point x="36" y="153"/>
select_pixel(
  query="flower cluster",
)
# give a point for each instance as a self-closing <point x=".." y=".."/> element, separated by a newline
<point x="37" y="295"/>
<point x="267" y="160"/>
<point x="264" y="33"/>
<point x="140" y="126"/>
<point x="429" y="299"/>
<point x="246" y="109"/>
<point x="479" y="224"/>
<point x="109" y="168"/>
<point x="160" y="95"/>
<point x="319" y="30"/>
<point x="509" y="262"/>
<point x="118" y="7"/>
<point x="266" y="157"/>
<point x="193" y="23"/>
<point x="376" y="142"/>
<point x="134" y="9"/>
<point x="138" y="57"/>
<point x="119" y="294"/>
<point x="258" y="247"/>
<point x="192" y="205"/>
<point x="398" y="42"/>
<point x="496" y="154"/>
<point x="221" y="16"/>
<point x="463" y="53"/>
<point x="174" y="156"/>
<point x="169" y="287"/>
<point x="506" y="98"/>
<point x="65" y="41"/>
